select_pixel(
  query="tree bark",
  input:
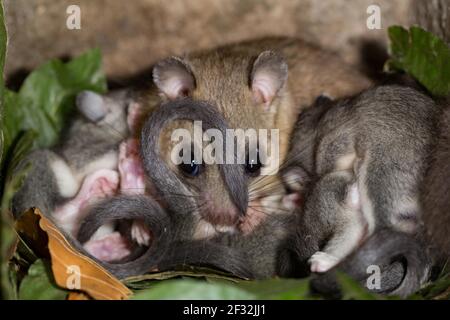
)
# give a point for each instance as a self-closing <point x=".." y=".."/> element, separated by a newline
<point x="434" y="16"/>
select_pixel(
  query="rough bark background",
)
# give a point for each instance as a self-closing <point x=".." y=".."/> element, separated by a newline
<point x="434" y="15"/>
<point x="134" y="34"/>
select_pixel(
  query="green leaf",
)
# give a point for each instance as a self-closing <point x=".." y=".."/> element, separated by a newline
<point x="47" y="97"/>
<point x="7" y="235"/>
<point x="422" y="55"/>
<point x="149" y="279"/>
<point x="39" y="284"/>
<point x="278" y="289"/>
<point x="439" y="289"/>
<point x="281" y="289"/>
<point x="189" y="289"/>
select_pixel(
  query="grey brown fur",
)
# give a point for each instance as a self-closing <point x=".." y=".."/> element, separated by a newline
<point x="436" y="189"/>
<point x="389" y="130"/>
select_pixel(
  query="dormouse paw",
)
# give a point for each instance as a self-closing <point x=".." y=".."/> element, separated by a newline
<point x="104" y="231"/>
<point x="110" y="248"/>
<point x="140" y="233"/>
<point x="321" y="262"/>
<point x="134" y="116"/>
<point x="96" y="186"/>
<point x="132" y="177"/>
<point x="100" y="184"/>
<point x="292" y="201"/>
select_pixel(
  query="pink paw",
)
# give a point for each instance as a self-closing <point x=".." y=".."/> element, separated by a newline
<point x="112" y="247"/>
<point x="321" y="262"/>
<point x="132" y="178"/>
<point x="292" y="201"/>
<point x="134" y="116"/>
<point x="140" y="233"/>
<point x="97" y="185"/>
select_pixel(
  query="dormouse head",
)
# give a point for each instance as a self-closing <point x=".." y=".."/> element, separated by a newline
<point x="106" y="111"/>
<point x="246" y="89"/>
<point x="183" y="147"/>
<point x="335" y="194"/>
<point x="296" y="181"/>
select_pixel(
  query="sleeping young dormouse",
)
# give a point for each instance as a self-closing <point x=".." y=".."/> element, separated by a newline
<point x="360" y="162"/>
<point x="90" y="143"/>
<point x="95" y="158"/>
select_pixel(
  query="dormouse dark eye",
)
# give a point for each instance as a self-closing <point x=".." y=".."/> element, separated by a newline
<point x="191" y="169"/>
<point x="253" y="164"/>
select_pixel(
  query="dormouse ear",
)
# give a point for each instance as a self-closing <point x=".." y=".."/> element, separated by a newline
<point x="174" y="78"/>
<point x="353" y="198"/>
<point x="92" y="105"/>
<point x="296" y="179"/>
<point x="324" y="98"/>
<point x="268" y="76"/>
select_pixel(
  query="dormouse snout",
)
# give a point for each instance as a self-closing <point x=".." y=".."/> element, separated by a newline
<point x="221" y="214"/>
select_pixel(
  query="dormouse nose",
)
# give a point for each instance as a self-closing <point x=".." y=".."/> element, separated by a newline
<point x="221" y="213"/>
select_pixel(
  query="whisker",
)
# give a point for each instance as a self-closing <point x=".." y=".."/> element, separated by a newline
<point x="262" y="211"/>
<point x="116" y="131"/>
<point x="280" y="209"/>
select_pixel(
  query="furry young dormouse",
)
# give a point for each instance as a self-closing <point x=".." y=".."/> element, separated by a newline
<point x="87" y="155"/>
<point x="258" y="84"/>
<point x="436" y="189"/>
<point x="376" y="145"/>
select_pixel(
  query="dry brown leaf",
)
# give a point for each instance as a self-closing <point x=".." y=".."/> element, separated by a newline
<point x="92" y="278"/>
<point x="78" y="296"/>
<point x="29" y="231"/>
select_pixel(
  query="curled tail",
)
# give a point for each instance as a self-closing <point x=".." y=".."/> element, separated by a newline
<point x="165" y="251"/>
<point x="204" y="253"/>
<point x="130" y="207"/>
<point x="402" y="262"/>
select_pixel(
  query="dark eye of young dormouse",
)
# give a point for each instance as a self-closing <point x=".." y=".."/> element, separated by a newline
<point x="253" y="165"/>
<point x="191" y="168"/>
